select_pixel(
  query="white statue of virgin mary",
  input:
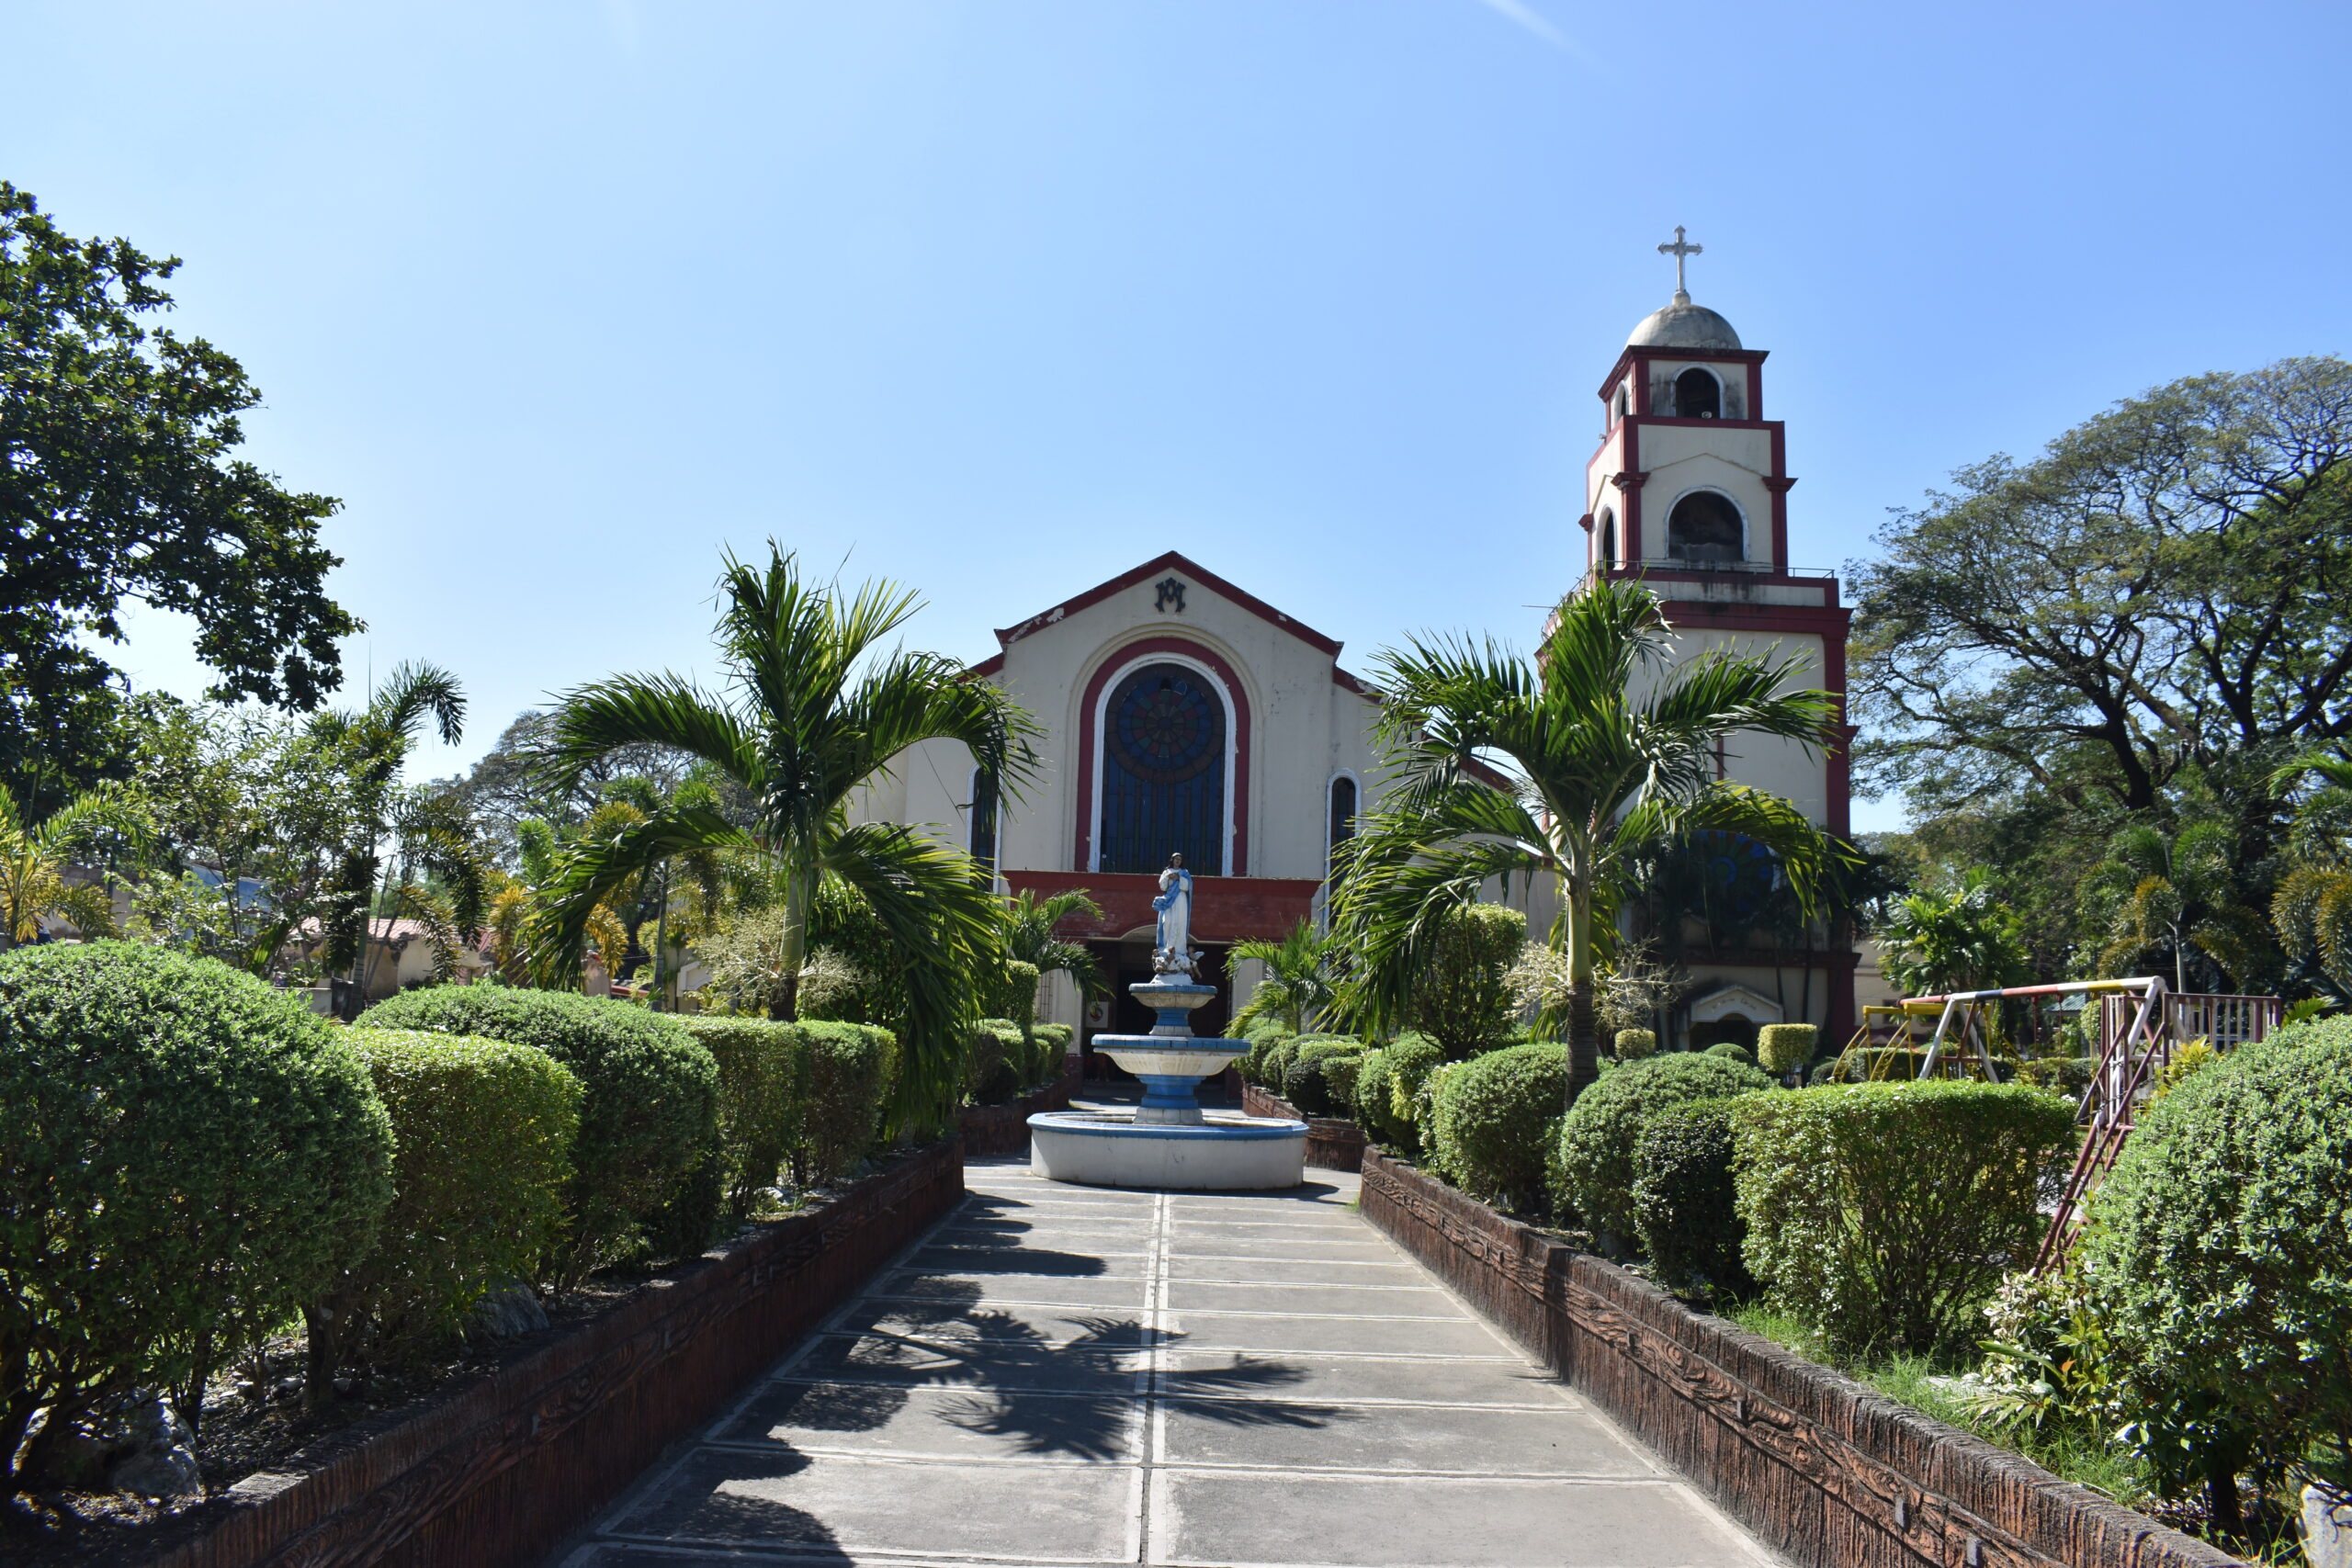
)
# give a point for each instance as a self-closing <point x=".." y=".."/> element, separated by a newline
<point x="1172" y="942"/>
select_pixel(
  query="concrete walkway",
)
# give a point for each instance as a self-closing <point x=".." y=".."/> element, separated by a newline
<point x="1070" y="1376"/>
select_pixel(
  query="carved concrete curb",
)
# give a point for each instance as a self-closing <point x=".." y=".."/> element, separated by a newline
<point x="1818" y="1465"/>
<point x="990" y="1130"/>
<point x="499" y="1471"/>
<point x="1333" y="1143"/>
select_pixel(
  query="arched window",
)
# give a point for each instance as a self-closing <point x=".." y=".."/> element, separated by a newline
<point x="1705" y="527"/>
<point x="1342" y="814"/>
<point x="1604" y="530"/>
<point x="1622" y="402"/>
<point x="1697" y="395"/>
<point x="984" y="810"/>
<point x="1163" y="772"/>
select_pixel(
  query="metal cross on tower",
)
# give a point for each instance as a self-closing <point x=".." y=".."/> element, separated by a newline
<point x="1678" y="250"/>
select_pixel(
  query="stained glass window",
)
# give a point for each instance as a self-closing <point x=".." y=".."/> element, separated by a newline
<point x="1163" y="773"/>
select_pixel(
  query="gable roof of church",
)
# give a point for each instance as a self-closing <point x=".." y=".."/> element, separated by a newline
<point x="1174" y="560"/>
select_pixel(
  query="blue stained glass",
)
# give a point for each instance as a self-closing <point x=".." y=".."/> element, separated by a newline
<point x="1163" y="773"/>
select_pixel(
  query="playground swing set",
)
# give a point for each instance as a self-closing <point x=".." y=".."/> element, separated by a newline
<point x="2142" y="1025"/>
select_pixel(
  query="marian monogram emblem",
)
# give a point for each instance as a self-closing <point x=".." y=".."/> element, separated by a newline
<point x="1171" y="596"/>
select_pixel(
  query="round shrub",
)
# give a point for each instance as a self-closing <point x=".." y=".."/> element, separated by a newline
<point x="763" y="1095"/>
<point x="1785" y="1048"/>
<point x="1632" y="1045"/>
<point x="2223" y="1243"/>
<point x="1273" y="1065"/>
<point x="188" y="1157"/>
<point x="1412" y="1057"/>
<point x="1732" y="1051"/>
<point x="1489" y="1117"/>
<point x="1884" y="1213"/>
<point x="648" y="1113"/>
<point x="1304" y="1084"/>
<point x="484" y="1130"/>
<point x="851" y="1070"/>
<point x="1374" y="1106"/>
<point x="1016" y="997"/>
<point x="1598" y="1138"/>
<point x="995" y="1062"/>
<point x="1685" y="1206"/>
<point x="1052" y="1050"/>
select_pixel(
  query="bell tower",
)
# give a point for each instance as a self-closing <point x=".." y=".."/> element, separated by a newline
<point x="1689" y="493"/>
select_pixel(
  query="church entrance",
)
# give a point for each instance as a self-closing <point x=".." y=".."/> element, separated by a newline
<point x="1128" y="963"/>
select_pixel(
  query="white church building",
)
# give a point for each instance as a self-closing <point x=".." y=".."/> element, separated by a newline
<point x="1180" y="712"/>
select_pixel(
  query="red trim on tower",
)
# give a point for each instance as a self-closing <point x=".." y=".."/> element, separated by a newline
<point x="1123" y="656"/>
<point x="1629" y="455"/>
<point x="1646" y="355"/>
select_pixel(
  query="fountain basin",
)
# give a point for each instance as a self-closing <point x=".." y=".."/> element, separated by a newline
<point x="1223" y="1152"/>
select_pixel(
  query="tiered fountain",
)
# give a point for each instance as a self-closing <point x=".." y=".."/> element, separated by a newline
<point x="1169" y="1141"/>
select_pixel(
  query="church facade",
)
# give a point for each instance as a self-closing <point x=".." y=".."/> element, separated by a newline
<point x="1181" y="712"/>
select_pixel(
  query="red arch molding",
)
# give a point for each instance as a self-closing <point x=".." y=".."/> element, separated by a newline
<point x="1123" y="656"/>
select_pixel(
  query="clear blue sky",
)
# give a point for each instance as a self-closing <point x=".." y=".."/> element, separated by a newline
<point x="1001" y="297"/>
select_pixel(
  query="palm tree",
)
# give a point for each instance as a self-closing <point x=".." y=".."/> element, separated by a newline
<point x="812" y="712"/>
<point x="1605" y="745"/>
<point x="1962" y="938"/>
<point x="399" y="831"/>
<point x="35" y="858"/>
<point x="1029" y="924"/>
<point x="2175" y="895"/>
<point x="1299" y="987"/>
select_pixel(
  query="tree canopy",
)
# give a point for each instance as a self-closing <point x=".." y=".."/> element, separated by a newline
<point x="118" y="482"/>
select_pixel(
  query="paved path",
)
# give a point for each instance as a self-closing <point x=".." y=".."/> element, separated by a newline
<point x="1070" y="1376"/>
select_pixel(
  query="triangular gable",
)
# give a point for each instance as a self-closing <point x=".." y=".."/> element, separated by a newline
<point x="1173" y="560"/>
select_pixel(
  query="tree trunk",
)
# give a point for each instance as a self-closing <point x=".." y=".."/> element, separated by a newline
<point x="799" y="893"/>
<point x="1584" y="1036"/>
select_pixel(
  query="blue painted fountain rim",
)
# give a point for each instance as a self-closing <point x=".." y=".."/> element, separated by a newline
<point x="1168" y="1041"/>
<point x="1081" y="1122"/>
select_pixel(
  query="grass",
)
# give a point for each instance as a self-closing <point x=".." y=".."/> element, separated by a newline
<point x="2067" y="1453"/>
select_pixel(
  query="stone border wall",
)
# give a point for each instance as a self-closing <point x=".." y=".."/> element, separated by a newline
<point x="1333" y="1143"/>
<point x="992" y="1130"/>
<point x="499" y="1471"/>
<point x="1822" y="1468"/>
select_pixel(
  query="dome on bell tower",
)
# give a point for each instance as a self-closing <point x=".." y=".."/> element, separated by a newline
<point x="1683" y="325"/>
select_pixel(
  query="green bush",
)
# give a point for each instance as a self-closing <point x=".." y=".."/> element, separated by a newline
<point x="1264" y="1035"/>
<point x="1340" y="1075"/>
<point x="1016" y="997"/>
<point x="1274" y="1062"/>
<point x="1376" y="1101"/>
<point x="1489" y="1117"/>
<point x="1632" y="1045"/>
<point x="2068" y="1076"/>
<point x="996" y="1062"/>
<point x="648" y="1113"/>
<point x="1304" y="1084"/>
<point x="2221" y="1244"/>
<point x="853" y="1070"/>
<point x="1052" y="1048"/>
<point x="484" y="1131"/>
<point x="1884" y="1213"/>
<point x="1685" y="1206"/>
<point x="188" y="1157"/>
<point x="1785" y="1048"/>
<point x="1412" y="1057"/>
<point x="1732" y="1051"/>
<point x="1460" y="998"/>
<point x="1596" y="1140"/>
<point x="763" y="1096"/>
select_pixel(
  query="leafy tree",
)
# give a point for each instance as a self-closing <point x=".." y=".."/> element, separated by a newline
<point x="37" y="860"/>
<point x="1606" y="747"/>
<point x="1963" y="938"/>
<point x="1300" y="984"/>
<point x="814" y="711"/>
<point x="117" y="481"/>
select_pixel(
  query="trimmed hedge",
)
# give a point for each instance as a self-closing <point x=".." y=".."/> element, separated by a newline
<point x="1412" y="1057"/>
<point x="188" y="1157"/>
<point x="853" y="1070"/>
<point x="1490" y="1113"/>
<point x="2221" y="1244"/>
<point x="2068" y="1076"/>
<point x="1900" y="1065"/>
<point x="484" y="1131"/>
<point x="1785" y="1048"/>
<point x="1685" y="1204"/>
<point x="1016" y="998"/>
<point x="1598" y="1138"/>
<point x="647" y="1166"/>
<point x="1884" y="1213"/>
<point x="1375" y="1101"/>
<point x="763" y="1095"/>
<point x="1632" y="1045"/>
<point x="1051" y="1043"/>
<point x="1460" y="998"/>
<point x="1732" y="1051"/>
<point x="1305" y="1084"/>
<point x="996" y="1062"/>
